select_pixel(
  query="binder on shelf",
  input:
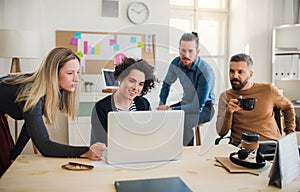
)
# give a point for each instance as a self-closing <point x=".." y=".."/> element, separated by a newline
<point x="294" y="67"/>
<point x="281" y="65"/>
<point x="286" y="66"/>
<point x="276" y="69"/>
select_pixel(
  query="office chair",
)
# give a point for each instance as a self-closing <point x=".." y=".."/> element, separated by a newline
<point x="277" y="116"/>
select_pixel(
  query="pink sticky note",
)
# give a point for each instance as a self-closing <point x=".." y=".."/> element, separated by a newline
<point x="74" y="41"/>
<point x="85" y="47"/>
<point x="112" y="42"/>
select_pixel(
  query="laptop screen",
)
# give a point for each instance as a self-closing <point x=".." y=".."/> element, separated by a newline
<point x="109" y="79"/>
<point x="144" y="136"/>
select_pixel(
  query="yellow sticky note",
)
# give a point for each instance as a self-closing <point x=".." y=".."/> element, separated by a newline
<point x="97" y="49"/>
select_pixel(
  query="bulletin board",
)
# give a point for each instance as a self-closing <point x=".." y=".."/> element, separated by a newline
<point x="103" y="49"/>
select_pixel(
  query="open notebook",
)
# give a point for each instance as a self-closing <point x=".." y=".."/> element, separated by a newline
<point x="144" y="136"/>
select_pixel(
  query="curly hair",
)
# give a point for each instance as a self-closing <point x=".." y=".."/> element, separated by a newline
<point x="122" y="70"/>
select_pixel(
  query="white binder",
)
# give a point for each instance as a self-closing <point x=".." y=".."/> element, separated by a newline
<point x="286" y="66"/>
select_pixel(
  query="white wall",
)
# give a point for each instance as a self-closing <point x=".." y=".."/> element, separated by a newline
<point x="47" y="16"/>
<point x="250" y="30"/>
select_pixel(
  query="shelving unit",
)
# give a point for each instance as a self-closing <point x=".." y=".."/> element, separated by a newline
<point x="286" y="61"/>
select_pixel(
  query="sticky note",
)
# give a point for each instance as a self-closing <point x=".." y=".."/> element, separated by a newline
<point x="116" y="47"/>
<point x="112" y="42"/>
<point x="77" y="35"/>
<point x="79" y="54"/>
<point x="85" y="47"/>
<point x="74" y="41"/>
<point x="132" y="39"/>
<point x="140" y="44"/>
<point x="97" y="49"/>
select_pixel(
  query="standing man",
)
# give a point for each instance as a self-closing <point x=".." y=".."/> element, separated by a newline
<point x="197" y="80"/>
<point x="261" y="119"/>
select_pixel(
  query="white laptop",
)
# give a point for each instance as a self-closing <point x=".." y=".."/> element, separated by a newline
<point x="144" y="136"/>
<point x="109" y="79"/>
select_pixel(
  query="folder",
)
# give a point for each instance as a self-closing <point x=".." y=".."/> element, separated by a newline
<point x="169" y="184"/>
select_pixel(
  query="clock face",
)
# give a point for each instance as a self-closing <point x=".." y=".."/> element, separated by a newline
<point x="137" y="12"/>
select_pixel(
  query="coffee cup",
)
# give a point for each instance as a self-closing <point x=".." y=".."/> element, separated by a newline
<point x="247" y="104"/>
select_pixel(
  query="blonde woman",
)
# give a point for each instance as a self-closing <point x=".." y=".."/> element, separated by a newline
<point x="32" y="96"/>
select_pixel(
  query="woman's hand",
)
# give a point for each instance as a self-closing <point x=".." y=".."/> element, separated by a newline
<point x="95" y="153"/>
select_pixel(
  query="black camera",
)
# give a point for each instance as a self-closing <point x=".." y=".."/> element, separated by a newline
<point x="247" y="103"/>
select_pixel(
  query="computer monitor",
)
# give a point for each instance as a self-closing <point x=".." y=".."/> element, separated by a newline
<point x="108" y="79"/>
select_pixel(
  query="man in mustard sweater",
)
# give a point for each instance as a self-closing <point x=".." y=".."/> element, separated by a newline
<point x="261" y="119"/>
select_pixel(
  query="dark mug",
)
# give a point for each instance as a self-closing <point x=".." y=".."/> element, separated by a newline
<point x="247" y="103"/>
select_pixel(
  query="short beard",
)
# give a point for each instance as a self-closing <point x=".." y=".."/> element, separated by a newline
<point x="240" y="86"/>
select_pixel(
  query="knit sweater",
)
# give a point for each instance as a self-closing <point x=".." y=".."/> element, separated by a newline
<point x="261" y="119"/>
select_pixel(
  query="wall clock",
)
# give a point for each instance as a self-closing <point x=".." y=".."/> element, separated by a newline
<point x="137" y="12"/>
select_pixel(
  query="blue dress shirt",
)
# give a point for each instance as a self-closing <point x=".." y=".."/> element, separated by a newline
<point x="197" y="83"/>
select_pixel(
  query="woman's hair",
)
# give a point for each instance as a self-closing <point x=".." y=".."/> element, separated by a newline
<point x="128" y="64"/>
<point x="44" y="84"/>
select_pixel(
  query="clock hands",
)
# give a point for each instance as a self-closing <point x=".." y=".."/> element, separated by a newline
<point x="141" y="11"/>
<point x="138" y="12"/>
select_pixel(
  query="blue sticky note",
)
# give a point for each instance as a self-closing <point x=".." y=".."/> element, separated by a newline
<point x="132" y="39"/>
<point x="77" y="35"/>
<point x="116" y="47"/>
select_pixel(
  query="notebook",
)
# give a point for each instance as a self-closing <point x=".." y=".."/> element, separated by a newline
<point x="170" y="184"/>
<point x="109" y="79"/>
<point x="144" y="136"/>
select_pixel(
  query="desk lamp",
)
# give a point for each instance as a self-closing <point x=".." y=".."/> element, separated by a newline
<point x="18" y="44"/>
